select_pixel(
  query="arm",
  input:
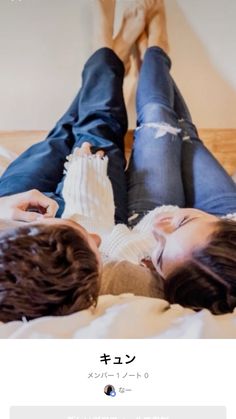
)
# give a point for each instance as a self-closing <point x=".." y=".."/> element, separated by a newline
<point x="88" y="192"/>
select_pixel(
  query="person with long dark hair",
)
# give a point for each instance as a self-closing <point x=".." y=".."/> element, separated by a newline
<point x="168" y="204"/>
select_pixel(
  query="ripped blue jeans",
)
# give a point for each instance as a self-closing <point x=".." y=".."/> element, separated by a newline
<point x="98" y="115"/>
<point x="169" y="164"/>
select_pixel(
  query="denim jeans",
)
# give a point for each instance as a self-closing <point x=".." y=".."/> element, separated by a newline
<point x="97" y="115"/>
<point x="169" y="166"/>
<point x="169" y="163"/>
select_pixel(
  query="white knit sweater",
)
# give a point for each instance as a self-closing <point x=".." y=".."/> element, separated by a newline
<point x="89" y="201"/>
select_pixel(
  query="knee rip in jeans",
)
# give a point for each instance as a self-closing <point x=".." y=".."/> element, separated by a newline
<point x="161" y="128"/>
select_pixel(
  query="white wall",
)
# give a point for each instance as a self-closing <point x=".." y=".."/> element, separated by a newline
<point x="43" y="44"/>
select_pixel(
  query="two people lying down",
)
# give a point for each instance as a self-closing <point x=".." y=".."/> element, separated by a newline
<point x="85" y="223"/>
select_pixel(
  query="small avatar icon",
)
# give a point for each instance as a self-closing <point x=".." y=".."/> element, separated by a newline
<point x="109" y="390"/>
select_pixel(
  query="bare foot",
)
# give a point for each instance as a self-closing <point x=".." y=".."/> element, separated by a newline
<point x="132" y="26"/>
<point x="157" y="29"/>
<point x="103" y="22"/>
<point x="152" y="7"/>
<point x="155" y="33"/>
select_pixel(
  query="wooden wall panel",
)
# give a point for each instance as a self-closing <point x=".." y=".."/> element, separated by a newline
<point x="221" y="142"/>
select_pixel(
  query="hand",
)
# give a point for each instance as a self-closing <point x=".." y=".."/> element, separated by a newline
<point x="27" y="206"/>
<point x="85" y="150"/>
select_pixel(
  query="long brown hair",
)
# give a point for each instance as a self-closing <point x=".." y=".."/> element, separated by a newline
<point x="45" y="270"/>
<point x="208" y="279"/>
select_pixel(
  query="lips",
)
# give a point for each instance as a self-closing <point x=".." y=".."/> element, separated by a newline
<point x="155" y="254"/>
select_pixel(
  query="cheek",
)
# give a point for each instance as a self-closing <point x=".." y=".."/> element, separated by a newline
<point x="169" y="268"/>
<point x="174" y="257"/>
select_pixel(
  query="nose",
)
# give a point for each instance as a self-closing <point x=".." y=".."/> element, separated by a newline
<point x="162" y="227"/>
<point x="96" y="238"/>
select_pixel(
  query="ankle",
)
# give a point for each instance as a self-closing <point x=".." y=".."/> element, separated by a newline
<point x="121" y="48"/>
<point x="103" y="18"/>
<point x="158" y="36"/>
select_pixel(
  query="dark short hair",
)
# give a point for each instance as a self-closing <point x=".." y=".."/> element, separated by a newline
<point x="208" y="279"/>
<point x="46" y="270"/>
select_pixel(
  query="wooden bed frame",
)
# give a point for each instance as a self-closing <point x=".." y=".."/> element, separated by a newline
<point x="222" y="143"/>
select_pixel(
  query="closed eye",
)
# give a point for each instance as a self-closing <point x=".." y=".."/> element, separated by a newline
<point x="159" y="260"/>
<point x="185" y="220"/>
<point x="182" y="221"/>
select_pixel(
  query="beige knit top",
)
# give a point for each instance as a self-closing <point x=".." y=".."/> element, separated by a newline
<point x="89" y="201"/>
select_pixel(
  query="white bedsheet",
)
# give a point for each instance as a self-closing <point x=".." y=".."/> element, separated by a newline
<point x="127" y="316"/>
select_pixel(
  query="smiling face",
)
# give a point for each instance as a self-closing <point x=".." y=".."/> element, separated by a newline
<point x="178" y="234"/>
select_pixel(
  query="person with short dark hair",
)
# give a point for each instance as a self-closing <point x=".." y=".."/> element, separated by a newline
<point x="52" y="266"/>
<point x="46" y="270"/>
<point x="168" y="202"/>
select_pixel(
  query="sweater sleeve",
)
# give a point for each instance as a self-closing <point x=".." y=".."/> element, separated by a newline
<point x="88" y="194"/>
